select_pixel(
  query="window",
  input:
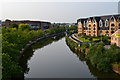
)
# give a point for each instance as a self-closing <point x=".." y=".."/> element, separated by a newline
<point x="94" y="28"/>
<point x="106" y="23"/>
<point x="100" y="31"/>
<point x="112" y="31"/>
<point x="94" y="35"/>
<point x="89" y="34"/>
<point x="94" y="31"/>
<point x="89" y="25"/>
<point x="112" y="25"/>
<point x="112" y="19"/>
<point x="94" y="25"/>
<point x="100" y="23"/>
<point x="106" y="34"/>
<point x="107" y="31"/>
<point x="94" y="20"/>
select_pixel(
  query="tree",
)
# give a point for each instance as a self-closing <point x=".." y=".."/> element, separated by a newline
<point x="24" y="26"/>
<point x="15" y="26"/>
<point x="9" y="68"/>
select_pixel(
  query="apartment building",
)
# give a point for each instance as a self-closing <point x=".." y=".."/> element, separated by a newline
<point x="115" y="38"/>
<point x="33" y="24"/>
<point x="99" y="25"/>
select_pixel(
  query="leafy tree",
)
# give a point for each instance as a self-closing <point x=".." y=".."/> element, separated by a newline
<point x="24" y="26"/>
<point x="9" y="68"/>
<point x="14" y="26"/>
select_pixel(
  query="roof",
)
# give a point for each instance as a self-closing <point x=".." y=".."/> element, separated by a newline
<point x="27" y="21"/>
<point x="103" y="18"/>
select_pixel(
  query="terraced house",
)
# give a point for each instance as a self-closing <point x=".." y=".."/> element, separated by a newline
<point x="99" y="25"/>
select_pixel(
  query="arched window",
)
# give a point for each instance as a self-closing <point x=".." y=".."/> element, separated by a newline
<point x="94" y="20"/>
<point x="112" y="19"/>
<point x="100" y="23"/>
<point x="106" y="23"/>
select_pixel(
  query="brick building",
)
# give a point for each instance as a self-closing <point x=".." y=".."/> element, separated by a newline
<point x="33" y="24"/>
<point x="99" y="25"/>
<point x="115" y="38"/>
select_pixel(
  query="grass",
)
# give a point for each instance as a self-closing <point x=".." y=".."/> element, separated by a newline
<point x="89" y="39"/>
<point x="83" y="39"/>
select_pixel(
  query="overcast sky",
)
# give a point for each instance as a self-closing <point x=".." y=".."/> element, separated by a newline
<point x="56" y="11"/>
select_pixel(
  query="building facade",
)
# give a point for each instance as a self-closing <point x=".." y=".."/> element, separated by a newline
<point x="100" y="25"/>
<point x="115" y="38"/>
<point x="33" y="24"/>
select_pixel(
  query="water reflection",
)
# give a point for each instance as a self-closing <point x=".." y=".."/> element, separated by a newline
<point x="29" y="52"/>
<point x="46" y="59"/>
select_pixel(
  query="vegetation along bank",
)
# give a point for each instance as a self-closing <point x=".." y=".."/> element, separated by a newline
<point x="100" y="57"/>
<point x="14" y="41"/>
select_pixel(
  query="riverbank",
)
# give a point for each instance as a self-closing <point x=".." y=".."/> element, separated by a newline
<point x="32" y="42"/>
<point x="99" y="56"/>
<point x="14" y="44"/>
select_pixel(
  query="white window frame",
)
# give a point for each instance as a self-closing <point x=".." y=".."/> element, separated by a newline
<point x="100" y="23"/>
<point x="106" y="23"/>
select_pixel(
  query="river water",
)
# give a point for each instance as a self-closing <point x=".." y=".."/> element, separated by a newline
<point x="52" y="58"/>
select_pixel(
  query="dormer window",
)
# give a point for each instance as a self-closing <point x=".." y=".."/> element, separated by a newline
<point x="112" y="19"/>
<point x="100" y="23"/>
<point x="89" y="20"/>
<point x="106" y="23"/>
<point x="84" y="24"/>
<point x="94" y="20"/>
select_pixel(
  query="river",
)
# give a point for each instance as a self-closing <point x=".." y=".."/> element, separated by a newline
<point x="52" y="58"/>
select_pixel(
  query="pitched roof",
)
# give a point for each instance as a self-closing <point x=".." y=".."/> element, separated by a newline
<point x="103" y="18"/>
